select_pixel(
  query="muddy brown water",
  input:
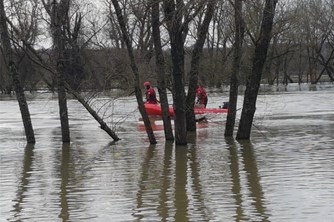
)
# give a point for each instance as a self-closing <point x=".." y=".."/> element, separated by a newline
<point x="285" y="173"/>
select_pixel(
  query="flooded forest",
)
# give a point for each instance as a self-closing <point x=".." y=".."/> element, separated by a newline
<point x="77" y="142"/>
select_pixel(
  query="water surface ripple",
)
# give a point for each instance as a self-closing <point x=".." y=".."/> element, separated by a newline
<point x="285" y="173"/>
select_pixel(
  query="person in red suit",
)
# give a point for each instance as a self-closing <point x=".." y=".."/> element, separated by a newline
<point x="202" y="97"/>
<point x="151" y="96"/>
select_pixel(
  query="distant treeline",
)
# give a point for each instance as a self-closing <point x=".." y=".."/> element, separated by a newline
<point x="301" y="47"/>
<point x="104" y="69"/>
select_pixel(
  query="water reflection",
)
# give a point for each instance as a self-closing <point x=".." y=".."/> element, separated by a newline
<point x="181" y="200"/>
<point x="163" y="209"/>
<point x="23" y="185"/>
<point x="64" y="177"/>
<point x="253" y="180"/>
<point x="235" y="174"/>
<point x="195" y="168"/>
<point x="174" y="183"/>
<point x="210" y="179"/>
<point x="144" y="181"/>
<point x="248" y="194"/>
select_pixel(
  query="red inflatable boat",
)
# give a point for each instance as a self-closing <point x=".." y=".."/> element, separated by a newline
<point x="155" y="110"/>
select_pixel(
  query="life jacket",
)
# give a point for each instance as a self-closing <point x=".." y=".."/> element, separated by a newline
<point x="151" y="96"/>
<point x="201" y="95"/>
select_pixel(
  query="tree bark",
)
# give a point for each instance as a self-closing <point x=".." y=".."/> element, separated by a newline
<point x="135" y="71"/>
<point x="69" y="89"/>
<point x="160" y="69"/>
<point x="195" y="62"/>
<point x="58" y="17"/>
<point x="175" y="30"/>
<point x="234" y="82"/>
<point x="253" y="81"/>
<point x="103" y="125"/>
<point x="8" y="56"/>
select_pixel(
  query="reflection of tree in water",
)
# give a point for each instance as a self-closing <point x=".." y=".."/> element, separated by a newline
<point x="165" y="182"/>
<point x="181" y="200"/>
<point x="143" y="181"/>
<point x="253" y="180"/>
<point x="195" y="176"/>
<point x="64" y="175"/>
<point x="24" y="183"/>
<point x="72" y="177"/>
<point x="174" y="186"/>
<point x="69" y="180"/>
<point x="235" y="173"/>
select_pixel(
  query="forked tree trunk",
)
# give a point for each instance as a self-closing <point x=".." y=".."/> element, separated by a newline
<point x="135" y="71"/>
<point x="160" y="64"/>
<point x="8" y="56"/>
<point x="234" y="82"/>
<point x="253" y="81"/>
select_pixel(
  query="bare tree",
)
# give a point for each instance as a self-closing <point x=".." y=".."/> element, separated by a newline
<point x="234" y="82"/>
<point x="37" y="59"/>
<point x="58" y="12"/>
<point x="195" y="63"/>
<point x="176" y="29"/>
<point x="8" y="56"/>
<point x="126" y="39"/>
<point x="160" y="69"/>
<point x="253" y="81"/>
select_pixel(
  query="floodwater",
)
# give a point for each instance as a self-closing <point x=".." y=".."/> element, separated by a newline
<point x="285" y="173"/>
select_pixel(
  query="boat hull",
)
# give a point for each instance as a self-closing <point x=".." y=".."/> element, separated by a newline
<point x="155" y="110"/>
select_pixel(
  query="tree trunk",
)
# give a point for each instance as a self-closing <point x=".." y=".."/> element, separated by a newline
<point x="8" y="56"/>
<point x="195" y="62"/>
<point x="58" y="17"/>
<point x="160" y="66"/>
<point x="62" y="100"/>
<point x="103" y="125"/>
<point x="175" y="30"/>
<point x="135" y="71"/>
<point x="234" y="82"/>
<point x="253" y="81"/>
<point x="177" y="52"/>
<point x="41" y="63"/>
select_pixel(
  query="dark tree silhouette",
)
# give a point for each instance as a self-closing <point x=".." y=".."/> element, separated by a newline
<point x="135" y="71"/>
<point x="195" y="62"/>
<point x="8" y="56"/>
<point x="160" y="69"/>
<point x="254" y="79"/>
<point x="234" y="82"/>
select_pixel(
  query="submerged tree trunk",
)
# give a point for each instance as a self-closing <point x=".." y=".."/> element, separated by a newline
<point x="58" y="13"/>
<point x="253" y="81"/>
<point x="175" y="30"/>
<point x="135" y="71"/>
<point x="195" y="62"/>
<point x="177" y="52"/>
<point x="160" y="64"/>
<point x="62" y="100"/>
<point x="103" y="125"/>
<point x="59" y="25"/>
<point x="234" y="82"/>
<point x="41" y="63"/>
<point x="8" y="56"/>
